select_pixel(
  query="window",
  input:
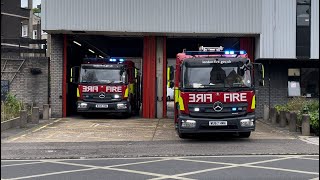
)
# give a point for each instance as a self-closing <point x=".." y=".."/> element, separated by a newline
<point x="310" y="82"/>
<point x="303" y="82"/>
<point x="303" y="29"/>
<point x="24" y="3"/>
<point x="34" y="34"/>
<point x="24" y="32"/>
<point x="43" y="32"/>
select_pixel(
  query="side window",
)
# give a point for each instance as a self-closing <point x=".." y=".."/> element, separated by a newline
<point x="303" y="33"/>
<point x="34" y="34"/>
<point x="310" y="82"/>
<point x="24" y="3"/>
<point x="294" y="82"/>
<point x="24" y="30"/>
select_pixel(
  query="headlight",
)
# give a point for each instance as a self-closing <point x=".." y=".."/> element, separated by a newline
<point x="82" y="105"/>
<point x="116" y="96"/>
<point x="247" y="122"/>
<point x="196" y="109"/>
<point x="188" y="123"/>
<point x="122" y="106"/>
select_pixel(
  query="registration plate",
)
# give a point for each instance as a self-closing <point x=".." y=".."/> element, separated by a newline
<point x="218" y="123"/>
<point x="101" y="105"/>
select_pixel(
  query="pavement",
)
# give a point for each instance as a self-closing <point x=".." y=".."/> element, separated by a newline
<point x="92" y="130"/>
<point x="96" y="138"/>
<point x="280" y="167"/>
<point x="137" y="148"/>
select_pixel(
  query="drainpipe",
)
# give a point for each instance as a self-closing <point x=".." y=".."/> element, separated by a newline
<point x="30" y="27"/>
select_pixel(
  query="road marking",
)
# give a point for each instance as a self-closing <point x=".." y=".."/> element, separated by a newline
<point x="195" y="172"/>
<point x="313" y="159"/>
<point x="282" y="169"/>
<point x="317" y="178"/>
<point x="13" y="139"/>
<point x="177" y="176"/>
<point x="309" y="142"/>
<point x="112" y="167"/>
<point x="231" y="165"/>
<point x="53" y="173"/>
<point x="155" y="130"/>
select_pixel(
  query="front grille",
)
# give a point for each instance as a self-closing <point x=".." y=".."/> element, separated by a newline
<point x="207" y="111"/>
<point x="94" y="97"/>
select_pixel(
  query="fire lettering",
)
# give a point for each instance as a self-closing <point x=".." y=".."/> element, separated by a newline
<point x="89" y="88"/>
<point x="235" y="97"/>
<point x="200" y="98"/>
<point x="117" y="89"/>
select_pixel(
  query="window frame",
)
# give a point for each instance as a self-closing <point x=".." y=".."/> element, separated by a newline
<point x="298" y="79"/>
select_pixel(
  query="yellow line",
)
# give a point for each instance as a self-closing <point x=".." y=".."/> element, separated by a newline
<point x="34" y="130"/>
<point x="46" y="125"/>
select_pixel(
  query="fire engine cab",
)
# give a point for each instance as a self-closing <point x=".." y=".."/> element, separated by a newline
<point x="107" y="85"/>
<point x="214" y="91"/>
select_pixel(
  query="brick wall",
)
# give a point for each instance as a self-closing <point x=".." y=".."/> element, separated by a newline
<point x="278" y="85"/>
<point x="56" y="74"/>
<point x="30" y="88"/>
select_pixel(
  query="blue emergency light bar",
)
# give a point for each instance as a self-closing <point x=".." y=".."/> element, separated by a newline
<point x="102" y="60"/>
<point x="116" y="60"/>
<point x="227" y="52"/>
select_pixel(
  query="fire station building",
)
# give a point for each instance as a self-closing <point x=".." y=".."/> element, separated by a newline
<point x="281" y="34"/>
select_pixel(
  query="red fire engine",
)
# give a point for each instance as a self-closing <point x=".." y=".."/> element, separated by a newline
<point x="107" y="85"/>
<point x="214" y="92"/>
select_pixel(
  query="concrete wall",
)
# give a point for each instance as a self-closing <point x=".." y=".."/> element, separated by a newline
<point x="31" y="89"/>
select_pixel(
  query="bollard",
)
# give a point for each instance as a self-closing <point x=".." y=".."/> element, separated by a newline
<point x="46" y="112"/>
<point x="23" y="118"/>
<point x="293" y="122"/>
<point x="287" y="117"/>
<point x="305" y="127"/>
<point x="283" y="119"/>
<point x="265" y="112"/>
<point x="273" y="115"/>
<point x="35" y="115"/>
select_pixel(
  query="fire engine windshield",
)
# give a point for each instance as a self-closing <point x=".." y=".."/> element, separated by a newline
<point x="216" y="76"/>
<point x="102" y="75"/>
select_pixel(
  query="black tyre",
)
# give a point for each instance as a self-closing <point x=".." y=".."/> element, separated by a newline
<point x="244" y="134"/>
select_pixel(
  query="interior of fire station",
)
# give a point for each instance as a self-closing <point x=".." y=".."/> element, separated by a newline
<point x="80" y="47"/>
<point x="152" y="55"/>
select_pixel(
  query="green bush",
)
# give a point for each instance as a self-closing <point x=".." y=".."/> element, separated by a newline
<point x="295" y="104"/>
<point x="311" y="108"/>
<point x="314" y="121"/>
<point x="281" y="108"/>
<point x="301" y="106"/>
<point x="11" y="107"/>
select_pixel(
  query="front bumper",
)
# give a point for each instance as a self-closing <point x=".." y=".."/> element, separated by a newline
<point x="202" y="125"/>
<point x="104" y="107"/>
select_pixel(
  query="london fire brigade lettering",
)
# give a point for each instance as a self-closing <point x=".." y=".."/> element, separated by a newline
<point x="208" y="98"/>
<point x="89" y="88"/>
<point x="117" y="89"/>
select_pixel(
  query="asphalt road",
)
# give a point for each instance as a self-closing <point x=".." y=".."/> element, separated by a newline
<point x="300" y="167"/>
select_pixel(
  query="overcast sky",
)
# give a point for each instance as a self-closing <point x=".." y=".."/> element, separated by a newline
<point x="36" y="2"/>
<point x="24" y="3"/>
